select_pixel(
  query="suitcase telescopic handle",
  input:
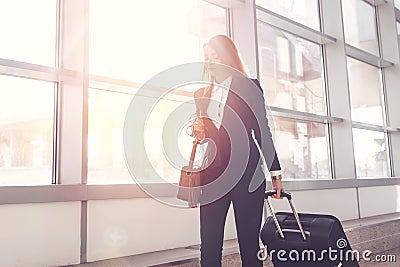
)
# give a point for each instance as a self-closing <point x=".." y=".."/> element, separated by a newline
<point x="287" y="195"/>
<point x="270" y="193"/>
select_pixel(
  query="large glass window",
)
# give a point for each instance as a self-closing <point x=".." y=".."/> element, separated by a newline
<point x="365" y="92"/>
<point x="370" y="153"/>
<point x="302" y="148"/>
<point x="291" y="75"/>
<point x="26" y="131"/>
<point x="28" y="31"/>
<point x="360" y="28"/>
<point x="303" y="11"/>
<point x="290" y="70"/>
<point x="121" y="48"/>
<point x="133" y="40"/>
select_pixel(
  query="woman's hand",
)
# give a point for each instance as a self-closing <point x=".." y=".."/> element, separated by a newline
<point x="198" y="129"/>
<point x="277" y="186"/>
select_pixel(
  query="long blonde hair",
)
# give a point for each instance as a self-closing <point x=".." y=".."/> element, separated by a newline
<point x="227" y="52"/>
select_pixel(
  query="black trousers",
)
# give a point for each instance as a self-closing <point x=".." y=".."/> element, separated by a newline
<point x="248" y="209"/>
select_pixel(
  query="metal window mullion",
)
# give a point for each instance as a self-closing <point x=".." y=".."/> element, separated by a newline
<point x="265" y="16"/>
<point x="381" y="71"/>
<point x="373" y="127"/>
<point x="378" y="32"/>
<point x="366" y="57"/>
<point x="85" y="115"/>
<point x="85" y="193"/>
<point x="366" y="126"/>
<point x="127" y="87"/>
<point x="258" y="67"/>
<point x="57" y="100"/>
<point x="384" y="99"/>
<point x="29" y="70"/>
<point x="293" y="114"/>
<point x="329" y="132"/>
<point x="331" y="151"/>
<point x="387" y="124"/>
<point x="56" y="134"/>
<point x="383" y="92"/>
<point x="36" y="72"/>
<point x="389" y="154"/>
<point x="375" y="3"/>
<point x="295" y="117"/>
<point x="328" y="128"/>
<point x="338" y="93"/>
<point x="320" y="14"/>
<point x="228" y="22"/>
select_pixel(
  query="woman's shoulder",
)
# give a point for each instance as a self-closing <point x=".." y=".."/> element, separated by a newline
<point x="254" y="83"/>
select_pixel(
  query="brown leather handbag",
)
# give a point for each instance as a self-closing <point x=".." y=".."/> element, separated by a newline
<point x="189" y="182"/>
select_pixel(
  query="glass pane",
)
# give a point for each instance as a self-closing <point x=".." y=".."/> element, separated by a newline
<point x="365" y="92"/>
<point x="302" y="148"/>
<point x="136" y="39"/>
<point x="360" y="25"/>
<point x="26" y="131"/>
<point x="303" y="11"/>
<point x="106" y="160"/>
<point x="290" y="71"/>
<point x="28" y="31"/>
<point x="370" y="153"/>
<point x="397" y="3"/>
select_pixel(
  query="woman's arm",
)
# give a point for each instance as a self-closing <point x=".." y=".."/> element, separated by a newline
<point x="263" y="132"/>
<point x="264" y="137"/>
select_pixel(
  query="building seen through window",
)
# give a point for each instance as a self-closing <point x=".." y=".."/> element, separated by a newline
<point x="292" y="79"/>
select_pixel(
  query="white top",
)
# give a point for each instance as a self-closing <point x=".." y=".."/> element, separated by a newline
<point x="219" y="95"/>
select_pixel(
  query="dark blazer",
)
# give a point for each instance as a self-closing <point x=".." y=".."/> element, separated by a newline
<point x="234" y="146"/>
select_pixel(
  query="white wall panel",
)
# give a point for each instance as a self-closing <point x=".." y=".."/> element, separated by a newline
<point x="118" y="228"/>
<point x="127" y="227"/>
<point x="45" y="234"/>
<point x="379" y="200"/>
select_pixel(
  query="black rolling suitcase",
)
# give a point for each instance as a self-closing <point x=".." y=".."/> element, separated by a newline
<point x="305" y="240"/>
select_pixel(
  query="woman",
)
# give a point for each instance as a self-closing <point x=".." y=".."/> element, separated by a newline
<point x="232" y="110"/>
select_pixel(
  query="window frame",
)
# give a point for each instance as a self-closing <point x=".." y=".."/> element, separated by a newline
<point x="61" y="74"/>
<point x="321" y="39"/>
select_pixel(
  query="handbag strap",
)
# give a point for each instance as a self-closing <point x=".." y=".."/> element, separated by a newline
<point x="192" y="155"/>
